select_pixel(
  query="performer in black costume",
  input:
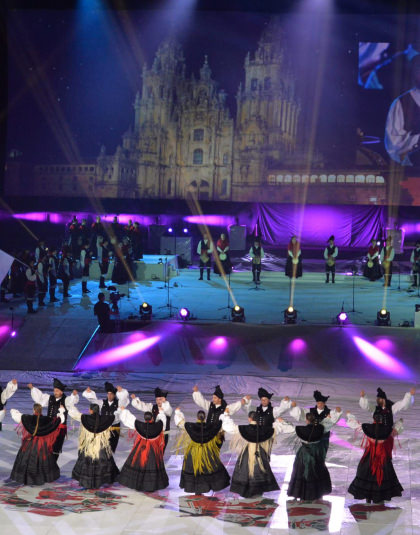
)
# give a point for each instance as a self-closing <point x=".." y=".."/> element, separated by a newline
<point x="330" y="254"/>
<point x="202" y="469"/>
<point x="218" y="404"/>
<point x="385" y="407"/>
<point x="95" y="464"/>
<point x="387" y="256"/>
<point x="162" y="404"/>
<point x="415" y="263"/>
<point x="257" y="254"/>
<point x="35" y="463"/>
<point x="116" y="397"/>
<point x="205" y="250"/>
<point x="310" y="478"/>
<point x="144" y="468"/>
<point x="54" y="402"/>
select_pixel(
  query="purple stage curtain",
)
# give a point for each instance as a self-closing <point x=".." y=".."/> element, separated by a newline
<point x="351" y="225"/>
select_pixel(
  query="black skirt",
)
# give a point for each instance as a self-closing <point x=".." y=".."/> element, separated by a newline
<point x="316" y="482"/>
<point x="374" y="273"/>
<point x="290" y="266"/>
<point x="152" y="476"/>
<point x="214" y="479"/>
<point x="92" y="474"/>
<point x="226" y="265"/>
<point x="260" y="482"/>
<point x="33" y="467"/>
<point x="365" y="486"/>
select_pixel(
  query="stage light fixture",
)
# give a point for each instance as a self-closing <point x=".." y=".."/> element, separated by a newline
<point x="238" y="314"/>
<point x="383" y="317"/>
<point x="170" y="230"/>
<point x="145" y="311"/>
<point x="342" y="317"/>
<point x="290" y="315"/>
<point x="13" y="334"/>
<point x="184" y="314"/>
<point x="185" y="231"/>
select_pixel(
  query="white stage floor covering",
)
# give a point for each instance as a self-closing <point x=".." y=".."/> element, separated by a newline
<point x="64" y="508"/>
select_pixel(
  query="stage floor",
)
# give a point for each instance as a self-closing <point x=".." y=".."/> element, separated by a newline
<point x="63" y="507"/>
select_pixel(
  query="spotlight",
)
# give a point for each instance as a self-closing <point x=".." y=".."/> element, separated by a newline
<point x="145" y="311"/>
<point x="13" y="334"/>
<point x="383" y="317"/>
<point x="184" y="314"/>
<point x="185" y="231"/>
<point x="290" y="316"/>
<point x="170" y="230"/>
<point x="238" y="314"/>
<point x="342" y="318"/>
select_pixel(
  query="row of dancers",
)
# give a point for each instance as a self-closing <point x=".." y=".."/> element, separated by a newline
<point x="201" y="442"/>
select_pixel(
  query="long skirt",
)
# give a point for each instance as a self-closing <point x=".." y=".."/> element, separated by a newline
<point x="92" y="474"/>
<point x="365" y="485"/>
<point x="33" y="467"/>
<point x="215" y="479"/>
<point x="260" y="482"/>
<point x="152" y="476"/>
<point x="226" y="265"/>
<point x="310" y="477"/>
<point x="374" y="273"/>
<point x="290" y="268"/>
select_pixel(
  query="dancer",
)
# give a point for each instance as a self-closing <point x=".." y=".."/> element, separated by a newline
<point x="65" y="272"/>
<point x="41" y="277"/>
<point x="162" y="404"/>
<point x="30" y="287"/>
<point x="103" y="260"/>
<point x="144" y="468"/>
<point x="415" y="263"/>
<point x="85" y="260"/>
<point x="320" y="413"/>
<point x="52" y="274"/>
<point x="95" y="464"/>
<point x="330" y="254"/>
<point x="294" y="259"/>
<point x="310" y="478"/>
<point x="385" y="407"/>
<point x="35" y="463"/>
<point x="257" y="254"/>
<point x="376" y="480"/>
<point x="386" y="257"/>
<point x="252" y="475"/>
<point x="265" y="412"/>
<point x="115" y="397"/>
<point x="218" y="405"/>
<point x="202" y="469"/>
<point x="222" y="247"/>
<point x="205" y="249"/>
<point x="372" y="269"/>
<point x="54" y="402"/>
<point x="6" y="394"/>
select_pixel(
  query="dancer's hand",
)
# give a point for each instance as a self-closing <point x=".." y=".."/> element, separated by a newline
<point x="74" y="392"/>
<point x="279" y="419"/>
<point x="122" y="408"/>
<point x="286" y="398"/>
<point x="30" y="386"/>
<point x="362" y="394"/>
<point x="119" y="388"/>
<point x="195" y="388"/>
<point x="88" y="389"/>
<point x="413" y="391"/>
<point x="227" y="411"/>
<point x="293" y="404"/>
<point x="133" y="396"/>
<point x="338" y="409"/>
<point x="14" y="381"/>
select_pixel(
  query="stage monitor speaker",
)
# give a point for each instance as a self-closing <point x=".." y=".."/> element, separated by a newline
<point x="167" y="245"/>
<point x="397" y="239"/>
<point x="180" y="246"/>
<point x="155" y="233"/>
<point x="237" y="237"/>
<point x="417" y="317"/>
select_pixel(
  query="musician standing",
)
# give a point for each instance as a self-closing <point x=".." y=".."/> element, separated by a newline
<point x="205" y="249"/>
<point x="330" y="254"/>
<point x="257" y="254"/>
<point x="415" y="262"/>
<point x="222" y="247"/>
<point x="372" y="269"/>
<point x="387" y="256"/>
<point x="294" y="259"/>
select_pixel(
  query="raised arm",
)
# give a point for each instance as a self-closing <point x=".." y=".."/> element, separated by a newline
<point x="167" y="409"/>
<point x="298" y="413"/>
<point x="353" y="422"/>
<point x="235" y="407"/>
<point x="228" y="424"/>
<point x="280" y="426"/>
<point x="123" y="396"/>
<point x="199" y="399"/>
<point x="405" y="403"/>
<point x="335" y="415"/>
<point x="38" y="396"/>
<point x="72" y="400"/>
<point x="8" y="392"/>
<point x="74" y="413"/>
<point x="140" y="405"/>
<point x="90" y="395"/>
<point x="365" y="403"/>
<point x="285" y="405"/>
<point x="179" y="418"/>
<point x="161" y="417"/>
<point x="16" y="415"/>
<point x="127" y="418"/>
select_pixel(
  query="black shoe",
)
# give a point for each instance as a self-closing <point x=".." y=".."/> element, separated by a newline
<point x="86" y="291"/>
<point x="327" y="281"/>
<point x="66" y="295"/>
<point x="54" y="300"/>
<point x="41" y="304"/>
<point x="32" y="311"/>
<point x="200" y="278"/>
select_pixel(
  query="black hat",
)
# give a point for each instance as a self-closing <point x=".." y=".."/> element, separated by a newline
<point x="319" y="397"/>
<point x="109" y="387"/>
<point x="332" y="237"/>
<point x="160" y="393"/>
<point x="262" y="393"/>
<point x="218" y="392"/>
<point x="380" y="394"/>
<point x="377" y="431"/>
<point x="58" y="384"/>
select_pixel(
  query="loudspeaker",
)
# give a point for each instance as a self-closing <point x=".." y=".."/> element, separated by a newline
<point x="397" y="239"/>
<point x="237" y="237"/>
<point x="180" y="246"/>
<point x="155" y="233"/>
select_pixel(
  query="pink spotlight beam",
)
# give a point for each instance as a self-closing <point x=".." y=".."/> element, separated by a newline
<point x="117" y="354"/>
<point x="387" y="363"/>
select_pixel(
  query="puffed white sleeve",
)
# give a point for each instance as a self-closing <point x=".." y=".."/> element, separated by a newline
<point x="8" y="391"/>
<point x="162" y="417"/>
<point x="200" y="401"/>
<point x="179" y="418"/>
<point x="123" y="397"/>
<point x="61" y="415"/>
<point x="398" y="426"/>
<point x="285" y="405"/>
<point x="2" y="414"/>
<point x="335" y="416"/>
<point x="228" y="424"/>
<point x="74" y="413"/>
<point x="16" y="415"/>
<point x="405" y="403"/>
<point x="283" y="427"/>
<point x="234" y="407"/>
<point x="327" y="423"/>
<point x="247" y="405"/>
<point x="91" y="397"/>
<point x="326" y="253"/>
<point x="72" y="399"/>
<point x="298" y="413"/>
<point x="251" y="253"/>
<point x="167" y="409"/>
<point x="365" y="404"/>
<point x="127" y="418"/>
<point x="262" y="253"/>
<point x="39" y="397"/>
<point x="141" y="406"/>
<point x="352" y="421"/>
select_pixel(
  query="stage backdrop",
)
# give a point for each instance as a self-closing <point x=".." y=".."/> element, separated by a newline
<point x="351" y="225"/>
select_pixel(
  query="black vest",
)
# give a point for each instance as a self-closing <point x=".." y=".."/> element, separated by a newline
<point x="256" y="250"/>
<point x="2" y="405"/>
<point x="265" y="417"/>
<point x="387" y="417"/>
<point x="108" y="409"/>
<point x="331" y="250"/>
<point x="319" y="416"/>
<point x="411" y="114"/>
<point x="215" y="412"/>
<point x="155" y="412"/>
<point x="54" y="406"/>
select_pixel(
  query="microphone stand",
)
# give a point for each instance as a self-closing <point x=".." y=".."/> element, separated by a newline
<point x="167" y="286"/>
<point x="354" y="273"/>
